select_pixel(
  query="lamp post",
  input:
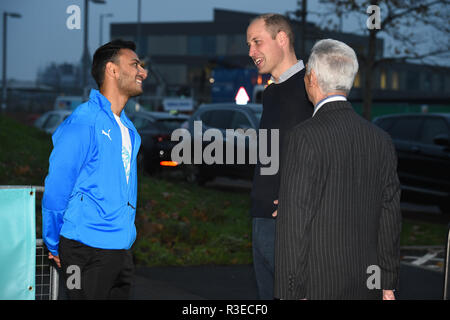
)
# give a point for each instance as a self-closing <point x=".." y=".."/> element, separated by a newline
<point x="103" y="15"/>
<point x="138" y="28"/>
<point x="4" y="81"/>
<point x="85" y="60"/>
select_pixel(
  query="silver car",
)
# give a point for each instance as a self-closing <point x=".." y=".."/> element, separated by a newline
<point x="51" y="120"/>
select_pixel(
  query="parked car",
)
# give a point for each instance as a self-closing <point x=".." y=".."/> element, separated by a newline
<point x="155" y="129"/>
<point x="224" y="116"/>
<point x="423" y="147"/>
<point x="51" y="120"/>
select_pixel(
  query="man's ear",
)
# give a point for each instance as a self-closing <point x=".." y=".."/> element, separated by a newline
<point x="282" y="38"/>
<point x="110" y="69"/>
<point x="313" y="78"/>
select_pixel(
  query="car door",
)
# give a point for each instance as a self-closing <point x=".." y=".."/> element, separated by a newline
<point x="435" y="159"/>
<point x="405" y="131"/>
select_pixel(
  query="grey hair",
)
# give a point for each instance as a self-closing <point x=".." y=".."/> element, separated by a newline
<point x="335" y="65"/>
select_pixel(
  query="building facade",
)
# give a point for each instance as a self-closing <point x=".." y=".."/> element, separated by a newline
<point x="185" y="53"/>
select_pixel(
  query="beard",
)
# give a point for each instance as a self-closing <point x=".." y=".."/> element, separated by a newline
<point x="128" y="86"/>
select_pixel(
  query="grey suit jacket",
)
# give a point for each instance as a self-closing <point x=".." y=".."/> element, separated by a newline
<point x="339" y="209"/>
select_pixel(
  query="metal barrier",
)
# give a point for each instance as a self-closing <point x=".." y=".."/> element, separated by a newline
<point x="46" y="275"/>
<point x="47" y="280"/>
<point x="446" y="271"/>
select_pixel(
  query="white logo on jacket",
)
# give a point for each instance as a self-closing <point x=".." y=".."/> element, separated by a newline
<point x="107" y="134"/>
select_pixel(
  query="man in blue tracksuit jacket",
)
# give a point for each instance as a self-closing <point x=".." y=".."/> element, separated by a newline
<point x="90" y="196"/>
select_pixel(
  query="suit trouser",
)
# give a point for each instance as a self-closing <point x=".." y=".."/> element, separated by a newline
<point x="104" y="273"/>
<point x="263" y="237"/>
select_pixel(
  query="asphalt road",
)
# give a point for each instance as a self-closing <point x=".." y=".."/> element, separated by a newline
<point x="237" y="283"/>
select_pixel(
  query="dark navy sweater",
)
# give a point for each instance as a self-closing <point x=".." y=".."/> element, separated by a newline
<point x="284" y="106"/>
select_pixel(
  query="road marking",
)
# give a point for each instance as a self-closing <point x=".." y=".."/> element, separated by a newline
<point x="424" y="259"/>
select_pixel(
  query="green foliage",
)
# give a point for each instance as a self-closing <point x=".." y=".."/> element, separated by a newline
<point x="183" y="224"/>
<point x="416" y="233"/>
<point x="24" y="153"/>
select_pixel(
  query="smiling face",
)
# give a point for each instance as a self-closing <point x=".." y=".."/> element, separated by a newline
<point x="266" y="52"/>
<point x="131" y="73"/>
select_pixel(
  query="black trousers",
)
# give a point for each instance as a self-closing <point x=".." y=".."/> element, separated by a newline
<point x="95" y="274"/>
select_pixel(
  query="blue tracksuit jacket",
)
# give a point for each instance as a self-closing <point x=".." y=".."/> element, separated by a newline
<point x="86" y="196"/>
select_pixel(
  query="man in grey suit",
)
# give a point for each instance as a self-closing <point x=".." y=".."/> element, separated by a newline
<point x="339" y="221"/>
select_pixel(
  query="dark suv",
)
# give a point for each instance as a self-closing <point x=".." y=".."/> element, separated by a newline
<point x="224" y="116"/>
<point x="155" y="129"/>
<point x="423" y="149"/>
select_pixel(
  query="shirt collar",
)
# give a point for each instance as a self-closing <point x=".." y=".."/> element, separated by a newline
<point x="334" y="97"/>
<point x="97" y="97"/>
<point x="289" y="72"/>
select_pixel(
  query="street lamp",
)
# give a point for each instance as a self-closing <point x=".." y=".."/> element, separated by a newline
<point x="138" y="28"/>
<point x="4" y="81"/>
<point x="85" y="60"/>
<point x="103" y="15"/>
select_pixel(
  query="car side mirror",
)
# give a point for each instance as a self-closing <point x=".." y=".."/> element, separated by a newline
<point x="442" y="139"/>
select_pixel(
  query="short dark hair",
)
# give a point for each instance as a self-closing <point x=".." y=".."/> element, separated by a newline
<point x="275" y="23"/>
<point x="106" y="53"/>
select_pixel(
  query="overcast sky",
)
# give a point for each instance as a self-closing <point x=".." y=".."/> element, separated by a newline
<point x="41" y="35"/>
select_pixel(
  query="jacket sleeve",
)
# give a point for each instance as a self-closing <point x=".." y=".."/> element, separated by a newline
<point x="70" y="148"/>
<point x="301" y="182"/>
<point x="390" y="222"/>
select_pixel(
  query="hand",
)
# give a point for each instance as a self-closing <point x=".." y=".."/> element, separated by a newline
<point x="388" y="295"/>
<point x="55" y="258"/>
<point x="275" y="213"/>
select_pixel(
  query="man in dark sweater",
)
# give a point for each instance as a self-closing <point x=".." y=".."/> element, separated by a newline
<point x="285" y="104"/>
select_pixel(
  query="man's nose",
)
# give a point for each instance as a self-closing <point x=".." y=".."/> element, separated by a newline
<point x="251" y="51"/>
<point x="143" y="72"/>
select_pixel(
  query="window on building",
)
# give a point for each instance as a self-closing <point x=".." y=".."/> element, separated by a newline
<point x="383" y="79"/>
<point x="357" y="82"/>
<point x="412" y="80"/>
<point x="167" y="45"/>
<point x="201" y="45"/>
<point x="394" y="81"/>
<point x="237" y="44"/>
<point x="175" y="74"/>
<point x="427" y="81"/>
<point x="446" y="87"/>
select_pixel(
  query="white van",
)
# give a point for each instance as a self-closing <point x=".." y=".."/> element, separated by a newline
<point x="68" y="102"/>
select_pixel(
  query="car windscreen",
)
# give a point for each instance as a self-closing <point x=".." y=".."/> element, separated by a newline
<point x="258" y="115"/>
<point x="169" y="124"/>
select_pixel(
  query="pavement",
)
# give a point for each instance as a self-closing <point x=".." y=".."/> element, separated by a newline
<point x="238" y="283"/>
